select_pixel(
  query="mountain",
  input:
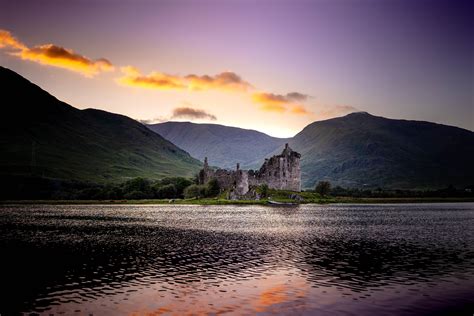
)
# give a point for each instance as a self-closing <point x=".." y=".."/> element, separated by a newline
<point x="223" y="145"/>
<point x="362" y="150"/>
<point x="358" y="150"/>
<point x="43" y="137"/>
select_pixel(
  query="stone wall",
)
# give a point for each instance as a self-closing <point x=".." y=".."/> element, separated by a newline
<point x="280" y="172"/>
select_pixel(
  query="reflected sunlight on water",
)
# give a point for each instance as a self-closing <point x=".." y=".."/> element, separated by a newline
<point x="153" y="260"/>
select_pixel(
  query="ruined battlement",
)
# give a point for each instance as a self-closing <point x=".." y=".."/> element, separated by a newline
<point x="280" y="172"/>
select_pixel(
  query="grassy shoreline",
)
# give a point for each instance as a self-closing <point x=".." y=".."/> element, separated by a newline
<point x="213" y="201"/>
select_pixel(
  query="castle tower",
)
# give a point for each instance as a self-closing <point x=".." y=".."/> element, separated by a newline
<point x="206" y="165"/>
<point x="282" y="171"/>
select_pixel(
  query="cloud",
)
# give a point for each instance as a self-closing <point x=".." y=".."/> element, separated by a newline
<point x="185" y="111"/>
<point x="296" y="96"/>
<point x="225" y="80"/>
<point x="335" y="111"/>
<point x="281" y="103"/>
<point x="265" y="98"/>
<point x="8" y="41"/>
<point x="159" y="119"/>
<point x="192" y="113"/>
<point x="157" y="80"/>
<point x="61" y="57"/>
<point x="273" y="107"/>
<point x="56" y="56"/>
<point x="299" y="109"/>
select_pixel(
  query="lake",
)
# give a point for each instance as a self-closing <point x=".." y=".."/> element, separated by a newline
<point x="405" y="259"/>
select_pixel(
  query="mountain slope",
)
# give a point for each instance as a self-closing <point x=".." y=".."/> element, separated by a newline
<point x="223" y="145"/>
<point x="362" y="150"/>
<point x="358" y="150"/>
<point x="41" y="136"/>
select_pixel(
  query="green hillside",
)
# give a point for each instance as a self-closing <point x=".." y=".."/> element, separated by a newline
<point x="362" y="150"/>
<point x="223" y="145"/>
<point x="355" y="151"/>
<point x="41" y="136"/>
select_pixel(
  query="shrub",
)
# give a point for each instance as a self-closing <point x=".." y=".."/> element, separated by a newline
<point x="263" y="190"/>
<point x="179" y="183"/>
<point x="135" y="195"/>
<point x="167" y="191"/>
<point x="323" y="188"/>
<point x="212" y="188"/>
<point x="138" y="185"/>
<point x="195" y="191"/>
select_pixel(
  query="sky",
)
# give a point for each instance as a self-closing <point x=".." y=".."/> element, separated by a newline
<point x="273" y="66"/>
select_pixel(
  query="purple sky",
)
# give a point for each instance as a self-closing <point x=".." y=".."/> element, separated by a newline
<point x="401" y="59"/>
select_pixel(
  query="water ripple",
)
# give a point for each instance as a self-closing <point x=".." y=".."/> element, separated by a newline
<point x="338" y="259"/>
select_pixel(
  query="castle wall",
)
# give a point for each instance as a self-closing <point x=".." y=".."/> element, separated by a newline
<point x="242" y="179"/>
<point x="280" y="172"/>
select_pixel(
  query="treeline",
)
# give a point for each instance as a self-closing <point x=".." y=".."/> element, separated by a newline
<point x="140" y="188"/>
<point x="24" y="188"/>
<point x="449" y="191"/>
<point x="38" y="188"/>
<point x="325" y="188"/>
<point x="137" y="189"/>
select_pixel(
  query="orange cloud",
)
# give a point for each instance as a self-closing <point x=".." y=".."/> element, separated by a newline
<point x="157" y="80"/>
<point x="56" y="56"/>
<point x="60" y="57"/>
<point x="7" y="40"/>
<point x="270" y="99"/>
<point x="299" y="109"/>
<point x="280" y="103"/>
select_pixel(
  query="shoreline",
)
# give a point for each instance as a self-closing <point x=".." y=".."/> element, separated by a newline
<point x="329" y="200"/>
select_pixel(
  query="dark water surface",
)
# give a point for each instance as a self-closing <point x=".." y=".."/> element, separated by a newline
<point x="411" y="259"/>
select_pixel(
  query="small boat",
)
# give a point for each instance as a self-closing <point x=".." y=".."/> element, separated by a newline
<point x="282" y="203"/>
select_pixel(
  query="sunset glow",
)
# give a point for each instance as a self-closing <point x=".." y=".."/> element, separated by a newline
<point x="282" y="64"/>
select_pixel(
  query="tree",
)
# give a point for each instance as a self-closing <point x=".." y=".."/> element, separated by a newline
<point x="212" y="188"/>
<point x="167" y="191"/>
<point x="135" y="195"/>
<point x="179" y="183"/>
<point x="323" y="188"/>
<point x="262" y="190"/>
<point x="194" y="191"/>
<point x="133" y="186"/>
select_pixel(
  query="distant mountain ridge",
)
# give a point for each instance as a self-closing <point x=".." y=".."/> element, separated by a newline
<point x="223" y="145"/>
<point x="41" y="136"/>
<point x="357" y="150"/>
<point x="362" y="150"/>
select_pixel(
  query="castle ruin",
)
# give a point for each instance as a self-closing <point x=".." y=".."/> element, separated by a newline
<point x="280" y="172"/>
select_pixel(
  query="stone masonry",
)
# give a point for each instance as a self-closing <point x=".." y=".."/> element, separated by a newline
<point x="280" y="172"/>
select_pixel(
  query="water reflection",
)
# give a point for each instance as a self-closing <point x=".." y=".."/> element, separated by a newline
<point x="176" y="260"/>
